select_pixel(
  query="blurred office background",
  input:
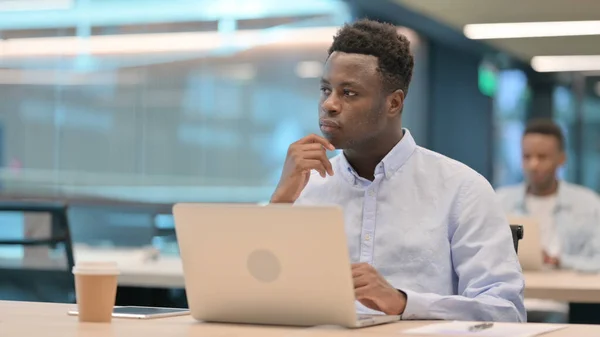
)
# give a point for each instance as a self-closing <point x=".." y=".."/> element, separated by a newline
<point x="155" y="102"/>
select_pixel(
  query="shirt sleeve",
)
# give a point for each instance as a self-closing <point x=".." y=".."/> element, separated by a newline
<point x="490" y="282"/>
<point x="588" y="256"/>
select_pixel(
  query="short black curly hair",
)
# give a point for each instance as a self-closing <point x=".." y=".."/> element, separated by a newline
<point x="546" y="127"/>
<point x="382" y="40"/>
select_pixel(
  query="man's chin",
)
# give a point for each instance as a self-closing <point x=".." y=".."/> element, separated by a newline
<point x="540" y="183"/>
<point x="335" y="141"/>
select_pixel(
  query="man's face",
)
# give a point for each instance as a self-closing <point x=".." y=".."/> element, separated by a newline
<point x="542" y="156"/>
<point x="352" y="104"/>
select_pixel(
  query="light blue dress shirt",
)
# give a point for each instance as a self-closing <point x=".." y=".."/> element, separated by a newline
<point x="576" y="218"/>
<point x="433" y="228"/>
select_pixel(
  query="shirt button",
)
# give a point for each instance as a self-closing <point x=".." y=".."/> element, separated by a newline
<point x="367" y="237"/>
<point x="371" y="193"/>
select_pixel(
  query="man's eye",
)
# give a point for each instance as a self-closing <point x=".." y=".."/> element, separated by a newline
<point x="325" y="91"/>
<point x="349" y="93"/>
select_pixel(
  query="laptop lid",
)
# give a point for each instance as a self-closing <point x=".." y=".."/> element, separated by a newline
<point x="530" y="247"/>
<point x="275" y="264"/>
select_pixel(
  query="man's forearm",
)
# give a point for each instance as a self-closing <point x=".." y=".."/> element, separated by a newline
<point x="456" y="307"/>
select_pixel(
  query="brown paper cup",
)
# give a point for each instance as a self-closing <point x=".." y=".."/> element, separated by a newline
<point x="96" y="290"/>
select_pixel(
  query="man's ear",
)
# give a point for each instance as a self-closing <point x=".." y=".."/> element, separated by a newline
<point x="395" y="103"/>
<point x="563" y="158"/>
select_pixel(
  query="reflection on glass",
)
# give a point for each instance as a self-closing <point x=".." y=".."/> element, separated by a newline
<point x="194" y="106"/>
<point x="591" y="142"/>
<point x="565" y="117"/>
<point x="510" y="107"/>
<point x="589" y="157"/>
<point x="189" y="107"/>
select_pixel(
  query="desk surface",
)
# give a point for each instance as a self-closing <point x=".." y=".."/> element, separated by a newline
<point x="567" y="286"/>
<point x="45" y="319"/>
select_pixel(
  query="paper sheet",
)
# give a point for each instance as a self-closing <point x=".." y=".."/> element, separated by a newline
<point x="498" y="330"/>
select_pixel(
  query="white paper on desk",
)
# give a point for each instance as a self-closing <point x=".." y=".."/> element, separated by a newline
<point x="498" y="330"/>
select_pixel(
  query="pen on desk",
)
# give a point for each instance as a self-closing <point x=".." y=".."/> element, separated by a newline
<point x="479" y="327"/>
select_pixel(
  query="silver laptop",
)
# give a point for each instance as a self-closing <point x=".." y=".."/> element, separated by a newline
<point x="275" y="264"/>
<point x="530" y="247"/>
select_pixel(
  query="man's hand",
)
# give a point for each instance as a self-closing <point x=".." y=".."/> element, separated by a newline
<point x="553" y="261"/>
<point x="374" y="292"/>
<point x="309" y="153"/>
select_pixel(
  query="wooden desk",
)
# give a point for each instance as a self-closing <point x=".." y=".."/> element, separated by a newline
<point x="36" y="319"/>
<point x="44" y="319"/>
<point x="566" y="286"/>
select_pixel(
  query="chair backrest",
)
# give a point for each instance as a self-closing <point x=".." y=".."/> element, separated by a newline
<point x="517" y="234"/>
<point x="33" y="282"/>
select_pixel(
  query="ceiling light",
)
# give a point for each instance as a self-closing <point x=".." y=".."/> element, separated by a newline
<point x="309" y="69"/>
<point x="531" y="29"/>
<point x="240" y="72"/>
<point x="566" y="63"/>
<point x="34" y="5"/>
<point x="64" y="78"/>
<point x="163" y="42"/>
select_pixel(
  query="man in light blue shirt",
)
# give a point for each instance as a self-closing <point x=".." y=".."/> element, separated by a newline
<point x="568" y="214"/>
<point x="426" y="234"/>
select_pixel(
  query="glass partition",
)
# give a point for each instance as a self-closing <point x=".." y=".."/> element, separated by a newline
<point x="590" y="151"/>
<point x="196" y="103"/>
<point x="164" y="112"/>
<point x="564" y="115"/>
<point x="511" y="102"/>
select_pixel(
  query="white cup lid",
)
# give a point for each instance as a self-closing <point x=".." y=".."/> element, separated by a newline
<point x="96" y="268"/>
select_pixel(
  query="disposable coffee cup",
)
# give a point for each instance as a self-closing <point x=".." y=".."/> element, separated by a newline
<point x="96" y="290"/>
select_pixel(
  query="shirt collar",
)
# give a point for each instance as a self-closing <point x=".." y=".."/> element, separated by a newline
<point x="562" y="200"/>
<point x="390" y="164"/>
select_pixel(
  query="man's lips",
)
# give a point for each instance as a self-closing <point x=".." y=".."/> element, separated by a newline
<point x="328" y="125"/>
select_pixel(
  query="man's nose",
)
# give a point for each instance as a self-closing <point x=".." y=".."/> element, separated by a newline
<point x="332" y="104"/>
<point x="532" y="163"/>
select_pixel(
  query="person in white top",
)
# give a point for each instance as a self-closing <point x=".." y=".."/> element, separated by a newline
<point x="568" y="215"/>
<point x="541" y="207"/>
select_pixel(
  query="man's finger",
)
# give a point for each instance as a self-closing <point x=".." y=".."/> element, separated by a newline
<point x="362" y="292"/>
<point x="320" y="155"/>
<point x="327" y="164"/>
<point x="317" y="139"/>
<point x="312" y="147"/>
<point x="359" y="265"/>
<point x="360" y="281"/>
<point x="314" y="164"/>
<point x="357" y="272"/>
<point x="315" y="154"/>
<point x="369" y="303"/>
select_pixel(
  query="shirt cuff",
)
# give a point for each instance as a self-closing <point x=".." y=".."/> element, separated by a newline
<point x="417" y="305"/>
<point x="580" y="264"/>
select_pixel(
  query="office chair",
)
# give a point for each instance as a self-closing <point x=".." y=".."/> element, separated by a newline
<point x="517" y="234"/>
<point x="43" y="284"/>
